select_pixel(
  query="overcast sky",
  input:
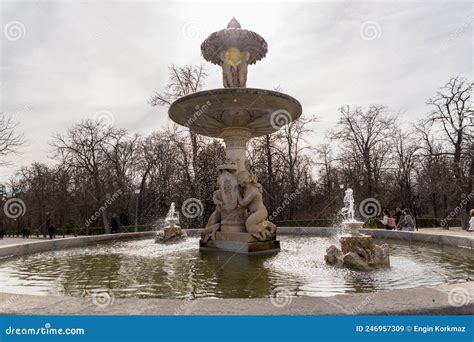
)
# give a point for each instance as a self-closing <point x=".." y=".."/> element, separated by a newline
<point x="63" y="61"/>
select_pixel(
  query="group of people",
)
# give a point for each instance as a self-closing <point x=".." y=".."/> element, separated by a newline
<point x="26" y="232"/>
<point x="400" y="220"/>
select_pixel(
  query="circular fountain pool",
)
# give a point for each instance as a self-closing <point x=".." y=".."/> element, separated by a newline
<point x="143" y="269"/>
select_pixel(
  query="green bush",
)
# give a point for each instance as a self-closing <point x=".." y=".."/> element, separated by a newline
<point x="373" y="223"/>
<point x="430" y="222"/>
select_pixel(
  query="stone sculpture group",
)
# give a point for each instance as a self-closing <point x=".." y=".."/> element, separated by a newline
<point x="239" y="198"/>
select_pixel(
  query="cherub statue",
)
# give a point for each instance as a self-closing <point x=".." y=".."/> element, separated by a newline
<point x="256" y="223"/>
<point x="214" y="222"/>
<point x="234" y="65"/>
<point x="348" y="210"/>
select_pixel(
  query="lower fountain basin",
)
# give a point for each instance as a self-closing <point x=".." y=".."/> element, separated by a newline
<point x="142" y="269"/>
<point x="210" y="112"/>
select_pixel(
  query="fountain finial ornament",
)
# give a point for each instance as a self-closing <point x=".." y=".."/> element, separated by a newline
<point x="234" y="49"/>
<point x="233" y="23"/>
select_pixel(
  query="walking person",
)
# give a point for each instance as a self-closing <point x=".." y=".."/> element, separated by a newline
<point x="23" y="233"/>
<point x="471" y="221"/>
<point x="52" y="232"/>
<point x="2" y="233"/>
<point x="114" y="225"/>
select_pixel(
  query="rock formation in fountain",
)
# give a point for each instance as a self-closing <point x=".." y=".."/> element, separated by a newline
<point x="358" y="251"/>
<point x="236" y="114"/>
<point x="172" y="232"/>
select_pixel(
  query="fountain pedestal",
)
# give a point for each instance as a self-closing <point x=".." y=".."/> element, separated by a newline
<point x="243" y="243"/>
<point x="172" y="232"/>
<point x="358" y="251"/>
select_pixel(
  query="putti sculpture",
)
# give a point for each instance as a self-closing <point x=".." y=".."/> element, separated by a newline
<point x="236" y="114"/>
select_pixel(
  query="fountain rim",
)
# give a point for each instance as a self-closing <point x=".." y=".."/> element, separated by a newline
<point x="187" y="110"/>
<point x="235" y="90"/>
<point x="378" y="298"/>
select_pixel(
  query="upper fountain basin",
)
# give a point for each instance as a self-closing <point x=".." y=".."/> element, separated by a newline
<point x="209" y="112"/>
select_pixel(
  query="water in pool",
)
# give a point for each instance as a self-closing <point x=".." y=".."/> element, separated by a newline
<point x="143" y="269"/>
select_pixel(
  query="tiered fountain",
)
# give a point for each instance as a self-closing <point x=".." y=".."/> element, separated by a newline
<point x="358" y="251"/>
<point x="236" y="114"/>
<point x="172" y="232"/>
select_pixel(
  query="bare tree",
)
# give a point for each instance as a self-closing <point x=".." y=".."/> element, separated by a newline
<point x="182" y="81"/>
<point x="325" y="162"/>
<point x="452" y="119"/>
<point x="405" y="159"/>
<point x="10" y="140"/>
<point x="366" y="135"/>
<point x="84" y="148"/>
<point x="447" y="131"/>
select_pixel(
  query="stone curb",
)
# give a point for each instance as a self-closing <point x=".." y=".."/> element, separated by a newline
<point x="450" y="240"/>
<point x="416" y="301"/>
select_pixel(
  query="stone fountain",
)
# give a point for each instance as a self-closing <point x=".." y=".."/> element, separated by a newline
<point x="236" y="114"/>
<point x="358" y="251"/>
<point x="172" y="232"/>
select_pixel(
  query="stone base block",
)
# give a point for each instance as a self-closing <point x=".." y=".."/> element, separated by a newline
<point x="170" y="234"/>
<point x="242" y="247"/>
<point x="235" y="236"/>
<point x="350" y="243"/>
